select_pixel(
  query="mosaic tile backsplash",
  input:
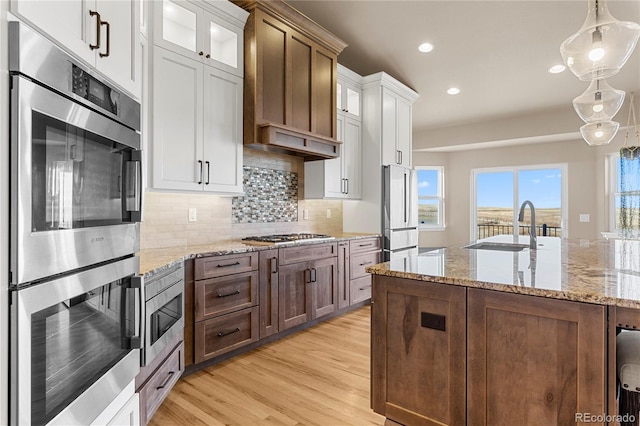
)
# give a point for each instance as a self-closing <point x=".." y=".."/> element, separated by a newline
<point x="270" y="196"/>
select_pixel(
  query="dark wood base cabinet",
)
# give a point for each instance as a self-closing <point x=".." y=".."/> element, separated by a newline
<point x="308" y="284"/>
<point x="239" y="301"/>
<point x="444" y="354"/>
<point x="154" y="381"/>
<point x="418" y="344"/>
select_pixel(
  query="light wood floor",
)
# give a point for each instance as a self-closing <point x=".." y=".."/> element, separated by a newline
<point x="319" y="376"/>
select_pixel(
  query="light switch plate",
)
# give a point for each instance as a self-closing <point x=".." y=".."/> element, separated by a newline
<point x="585" y="217"/>
<point x="328" y="213"/>
<point x="193" y="214"/>
<point x="305" y="214"/>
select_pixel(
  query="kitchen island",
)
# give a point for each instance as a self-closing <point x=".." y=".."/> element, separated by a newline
<point x="466" y="336"/>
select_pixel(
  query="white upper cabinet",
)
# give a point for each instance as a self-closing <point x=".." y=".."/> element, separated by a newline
<point x="104" y="34"/>
<point x="348" y="93"/>
<point x="197" y="101"/>
<point x="201" y="34"/>
<point x="388" y="118"/>
<point x="341" y="177"/>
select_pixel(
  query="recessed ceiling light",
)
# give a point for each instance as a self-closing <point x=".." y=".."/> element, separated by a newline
<point x="425" y="47"/>
<point x="453" y="90"/>
<point x="556" y="69"/>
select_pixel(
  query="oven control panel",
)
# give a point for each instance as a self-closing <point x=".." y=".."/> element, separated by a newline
<point x="88" y="87"/>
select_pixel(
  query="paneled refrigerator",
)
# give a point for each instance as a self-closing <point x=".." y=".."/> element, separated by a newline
<point x="399" y="212"/>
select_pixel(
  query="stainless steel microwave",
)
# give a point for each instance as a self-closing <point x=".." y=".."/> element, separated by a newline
<point x="76" y="191"/>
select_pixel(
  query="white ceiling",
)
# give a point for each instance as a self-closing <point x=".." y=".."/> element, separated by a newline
<point x="496" y="52"/>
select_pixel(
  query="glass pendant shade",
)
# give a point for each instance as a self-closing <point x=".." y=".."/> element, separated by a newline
<point x="602" y="45"/>
<point x="600" y="133"/>
<point x="600" y="102"/>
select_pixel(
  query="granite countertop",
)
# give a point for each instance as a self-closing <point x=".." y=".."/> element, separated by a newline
<point x="153" y="261"/>
<point x="605" y="272"/>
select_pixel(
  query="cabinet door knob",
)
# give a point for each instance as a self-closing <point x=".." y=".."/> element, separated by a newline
<point x="201" y="53"/>
<point x="208" y="56"/>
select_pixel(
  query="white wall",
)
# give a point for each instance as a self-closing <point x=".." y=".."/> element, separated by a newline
<point x="4" y="217"/>
<point x="585" y="183"/>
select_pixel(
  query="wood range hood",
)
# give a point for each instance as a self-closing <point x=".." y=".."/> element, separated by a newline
<point x="290" y="82"/>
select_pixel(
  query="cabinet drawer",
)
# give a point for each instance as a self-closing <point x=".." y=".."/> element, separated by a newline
<point x="225" y="333"/>
<point x="307" y="252"/>
<point x="360" y="261"/>
<point x="217" y="266"/>
<point x="360" y="289"/>
<point x="365" y="244"/>
<point x="225" y="294"/>
<point x="158" y="386"/>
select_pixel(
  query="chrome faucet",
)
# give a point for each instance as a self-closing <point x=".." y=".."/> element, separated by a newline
<point x="533" y="242"/>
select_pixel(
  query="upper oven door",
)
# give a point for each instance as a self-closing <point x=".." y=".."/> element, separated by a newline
<point x="76" y="185"/>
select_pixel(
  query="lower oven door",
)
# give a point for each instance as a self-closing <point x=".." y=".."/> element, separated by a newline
<point x="164" y="320"/>
<point x="74" y="344"/>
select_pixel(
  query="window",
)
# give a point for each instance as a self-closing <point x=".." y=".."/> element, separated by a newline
<point x="430" y="197"/>
<point x="498" y="194"/>
<point x="624" y="194"/>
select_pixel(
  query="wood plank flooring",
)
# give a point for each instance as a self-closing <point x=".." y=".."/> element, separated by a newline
<point x="319" y="376"/>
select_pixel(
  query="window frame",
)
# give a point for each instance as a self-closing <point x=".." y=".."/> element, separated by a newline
<point x="440" y="225"/>
<point x="612" y="188"/>
<point x="564" y="195"/>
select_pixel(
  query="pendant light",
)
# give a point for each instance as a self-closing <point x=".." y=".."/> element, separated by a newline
<point x="600" y="133"/>
<point x="602" y="45"/>
<point x="600" y="102"/>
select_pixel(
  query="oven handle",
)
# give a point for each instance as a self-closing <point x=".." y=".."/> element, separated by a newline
<point x="133" y="186"/>
<point x="133" y="284"/>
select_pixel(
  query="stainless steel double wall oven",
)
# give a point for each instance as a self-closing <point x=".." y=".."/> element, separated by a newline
<point x="76" y="302"/>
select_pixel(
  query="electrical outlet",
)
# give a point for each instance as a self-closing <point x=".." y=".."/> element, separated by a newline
<point x="328" y="213"/>
<point x="585" y="218"/>
<point x="193" y="214"/>
<point x="305" y="214"/>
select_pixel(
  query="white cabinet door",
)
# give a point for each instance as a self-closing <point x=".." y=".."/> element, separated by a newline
<point x="348" y="101"/>
<point x="396" y="129"/>
<point x="123" y="63"/>
<point x="64" y="22"/>
<point x="223" y="45"/>
<point x="129" y="415"/>
<point x="334" y="185"/>
<point x="75" y="24"/>
<point x="403" y="141"/>
<point x="222" y="131"/>
<point x="177" y="122"/>
<point x="389" y="127"/>
<point x="352" y="158"/>
<point x="177" y="25"/>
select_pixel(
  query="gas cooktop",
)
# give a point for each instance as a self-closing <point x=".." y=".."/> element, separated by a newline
<point x="287" y="238"/>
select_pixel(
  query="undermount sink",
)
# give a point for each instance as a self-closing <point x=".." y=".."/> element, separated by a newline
<point x="497" y="246"/>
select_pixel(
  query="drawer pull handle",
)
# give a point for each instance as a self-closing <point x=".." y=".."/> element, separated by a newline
<point x="229" y="294"/>
<point x="365" y="245"/>
<point x="366" y="263"/>
<point x="228" y="264"/>
<point x="365" y="287"/>
<point x="226" y="333"/>
<point x="166" y="381"/>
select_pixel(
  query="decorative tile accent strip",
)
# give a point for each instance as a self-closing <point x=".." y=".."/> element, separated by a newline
<point x="270" y="196"/>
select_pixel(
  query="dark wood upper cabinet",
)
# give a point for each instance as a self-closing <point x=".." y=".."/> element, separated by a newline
<point x="290" y="82"/>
